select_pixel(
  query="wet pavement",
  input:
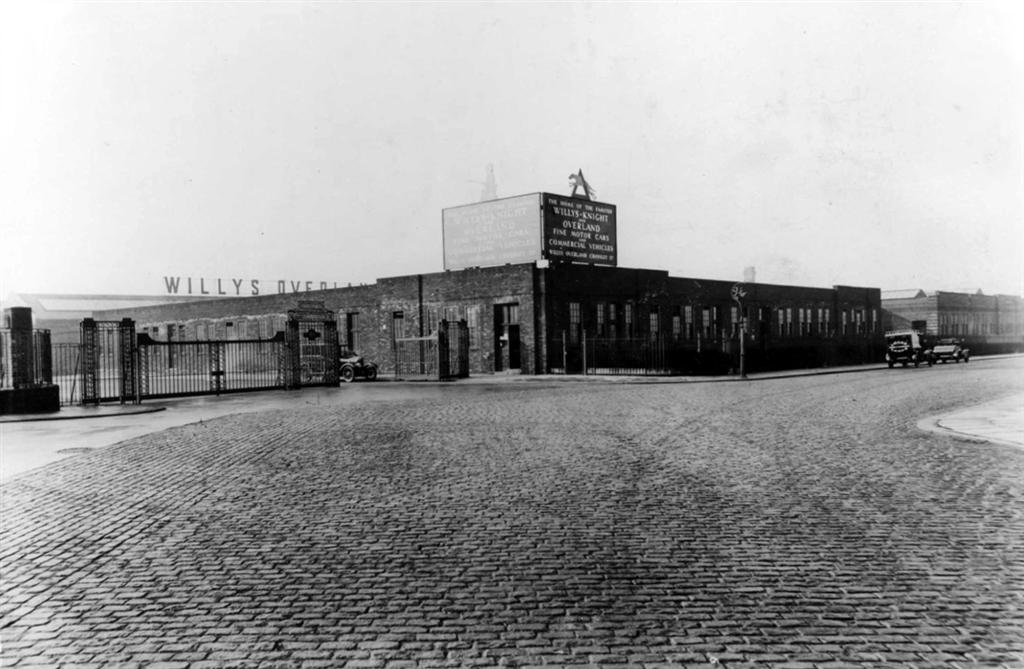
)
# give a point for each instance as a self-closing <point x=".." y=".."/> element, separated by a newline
<point x="802" y="522"/>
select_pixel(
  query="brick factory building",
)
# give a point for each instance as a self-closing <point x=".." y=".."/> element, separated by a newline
<point x="535" y="280"/>
<point x="530" y="319"/>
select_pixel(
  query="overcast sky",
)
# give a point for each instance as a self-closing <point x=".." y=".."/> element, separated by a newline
<point x="875" y="144"/>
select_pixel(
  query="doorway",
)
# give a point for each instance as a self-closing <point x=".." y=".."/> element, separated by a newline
<point x="507" y="348"/>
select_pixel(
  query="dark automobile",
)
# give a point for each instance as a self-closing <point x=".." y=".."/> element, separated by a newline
<point x="905" y="347"/>
<point x="950" y="349"/>
<point x="354" y="367"/>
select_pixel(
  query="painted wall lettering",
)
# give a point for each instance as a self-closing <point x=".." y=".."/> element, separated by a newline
<point x="201" y="285"/>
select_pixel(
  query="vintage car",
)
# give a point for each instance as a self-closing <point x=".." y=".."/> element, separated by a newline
<point x="950" y="349"/>
<point x="354" y="367"/>
<point x="905" y="347"/>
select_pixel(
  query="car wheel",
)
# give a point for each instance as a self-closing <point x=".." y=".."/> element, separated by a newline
<point x="347" y="373"/>
<point x="890" y="364"/>
<point x="370" y="372"/>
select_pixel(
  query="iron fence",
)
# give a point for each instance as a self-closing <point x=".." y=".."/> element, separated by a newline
<point x="646" y="357"/>
<point x="67" y="372"/>
<point x="634" y="356"/>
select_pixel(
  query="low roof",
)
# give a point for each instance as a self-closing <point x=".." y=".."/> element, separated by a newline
<point x="49" y="305"/>
<point x="905" y="294"/>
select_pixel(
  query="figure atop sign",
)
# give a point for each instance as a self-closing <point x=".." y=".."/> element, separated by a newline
<point x="578" y="182"/>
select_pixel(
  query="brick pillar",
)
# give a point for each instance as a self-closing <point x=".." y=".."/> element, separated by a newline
<point x="22" y="350"/>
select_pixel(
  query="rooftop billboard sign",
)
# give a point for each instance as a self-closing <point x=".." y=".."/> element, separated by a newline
<point x="527" y="228"/>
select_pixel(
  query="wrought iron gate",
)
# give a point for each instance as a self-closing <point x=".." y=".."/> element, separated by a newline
<point x="180" y="368"/>
<point x="312" y="352"/>
<point x="443" y="355"/>
<point x="113" y="363"/>
<point x="108" y="361"/>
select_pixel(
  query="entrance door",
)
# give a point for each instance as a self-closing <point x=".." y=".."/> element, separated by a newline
<point x="507" y="347"/>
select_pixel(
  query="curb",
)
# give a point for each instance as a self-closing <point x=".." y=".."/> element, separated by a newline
<point x="71" y="414"/>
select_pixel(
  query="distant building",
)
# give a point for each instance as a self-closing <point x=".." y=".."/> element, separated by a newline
<point x="989" y="323"/>
<point x="62" y="314"/>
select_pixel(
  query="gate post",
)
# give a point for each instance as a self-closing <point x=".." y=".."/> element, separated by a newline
<point x="215" y="357"/>
<point x="332" y="351"/>
<point x="90" y="362"/>
<point x="292" y="356"/>
<point x="126" y="353"/>
<point x="443" y="352"/>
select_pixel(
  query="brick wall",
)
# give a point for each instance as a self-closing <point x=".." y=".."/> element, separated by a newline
<point x="699" y="311"/>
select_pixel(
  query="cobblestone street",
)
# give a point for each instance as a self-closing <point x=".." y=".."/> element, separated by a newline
<point x="793" y="523"/>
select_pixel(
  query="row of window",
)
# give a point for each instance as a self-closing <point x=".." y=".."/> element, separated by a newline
<point x="251" y="327"/>
<point x="984" y="323"/>
<point x="689" y="322"/>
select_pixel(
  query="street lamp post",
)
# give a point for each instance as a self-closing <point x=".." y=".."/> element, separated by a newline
<point x="738" y="292"/>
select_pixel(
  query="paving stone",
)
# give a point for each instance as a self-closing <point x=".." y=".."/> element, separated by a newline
<point x="800" y="523"/>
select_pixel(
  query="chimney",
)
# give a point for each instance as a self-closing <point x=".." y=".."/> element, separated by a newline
<point x="748" y="275"/>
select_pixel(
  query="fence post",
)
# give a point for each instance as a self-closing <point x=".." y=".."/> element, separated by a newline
<point x="215" y="359"/>
<point x="565" y="356"/>
<point x="583" y="345"/>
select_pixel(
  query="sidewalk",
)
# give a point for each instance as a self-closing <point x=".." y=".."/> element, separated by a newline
<point x="1001" y="422"/>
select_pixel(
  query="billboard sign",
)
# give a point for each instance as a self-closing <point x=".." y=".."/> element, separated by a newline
<point x="527" y="228"/>
<point x="492" y="233"/>
<point x="578" y="230"/>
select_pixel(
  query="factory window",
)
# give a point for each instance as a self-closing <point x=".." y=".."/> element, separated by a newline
<point x="627" y="315"/>
<point x="473" y="325"/>
<point x="398" y="324"/>
<point x="599" y="320"/>
<point x="688" y="321"/>
<point x="431" y="324"/>
<point x="574" y="322"/>
<point x="654" y="322"/>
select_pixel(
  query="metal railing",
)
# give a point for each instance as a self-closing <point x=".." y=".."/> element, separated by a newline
<point x="67" y="372"/>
